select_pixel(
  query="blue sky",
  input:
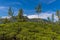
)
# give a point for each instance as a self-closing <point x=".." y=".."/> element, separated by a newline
<point x="48" y="6"/>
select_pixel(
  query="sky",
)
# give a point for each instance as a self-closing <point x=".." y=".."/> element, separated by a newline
<point x="48" y="7"/>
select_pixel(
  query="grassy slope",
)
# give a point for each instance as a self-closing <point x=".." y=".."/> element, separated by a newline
<point x="30" y="31"/>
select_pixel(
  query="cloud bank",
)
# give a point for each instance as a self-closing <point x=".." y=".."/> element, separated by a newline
<point x="44" y="16"/>
<point x="6" y="17"/>
<point x="2" y="7"/>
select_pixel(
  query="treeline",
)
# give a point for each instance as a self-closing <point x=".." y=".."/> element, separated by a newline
<point x="17" y="18"/>
<point x="21" y="18"/>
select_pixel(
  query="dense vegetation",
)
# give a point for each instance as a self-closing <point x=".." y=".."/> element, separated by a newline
<point x="30" y="31"/>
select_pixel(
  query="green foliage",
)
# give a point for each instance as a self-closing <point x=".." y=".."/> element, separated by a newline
<point x="20" y="17"/>
<point x="6" y="21"/>
<point x="29" y="31"/>
<point x="20" y="14"/>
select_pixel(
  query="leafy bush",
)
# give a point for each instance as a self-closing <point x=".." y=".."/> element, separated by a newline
<point x="29" y="31"/>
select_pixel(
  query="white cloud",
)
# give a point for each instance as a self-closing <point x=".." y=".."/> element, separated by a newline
<point x="48" y="1"/>
<point x="43" y="15"/>
<point x="14" y="3"/>
<point x="6" y="17"/>
<point x="2" y="7"/>
<point x="56" y="18"/>
<point x="51" y="1"/>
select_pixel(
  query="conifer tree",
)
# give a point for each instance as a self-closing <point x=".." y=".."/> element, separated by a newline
<point x="48" y="19"/>
<point x="52" y="17"/>
<point x="38" y="10"/>
<point x="20" y="15"/>
<point x="58" y="14"/>
<point x="10" y="13"/>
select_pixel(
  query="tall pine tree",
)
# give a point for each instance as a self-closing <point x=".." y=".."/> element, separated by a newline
<point x="20" y="15"/>
<point x="58" y="14"/>
<point x="52" y="17"/>
<point x="10" y="13"/>
<point x="38" y="10"/>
